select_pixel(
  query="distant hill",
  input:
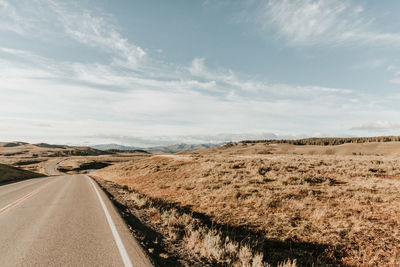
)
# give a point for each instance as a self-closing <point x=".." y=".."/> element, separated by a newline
<point x="180" y="147"/>
<point x="44" y="145"/>
<point x="327" y="141"/>
<point x="114" y="147"/>
<point x="165" y="149"/>
<point x="21" y="149"/>
<point x="135" y="151"/>
<point x="12" y="144"/>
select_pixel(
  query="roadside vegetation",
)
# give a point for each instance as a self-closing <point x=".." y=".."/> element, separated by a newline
<point x="318" y="201"/>
<point x="8" y="173"/>
<point x="235" y="203"/>
<point x="35" y="157"/>
<point x="329" y="141"/>
<point x="175" y="236"/>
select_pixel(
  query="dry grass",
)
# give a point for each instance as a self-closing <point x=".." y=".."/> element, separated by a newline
<point x="34" y="157"/>
<point x="78" y="163"/>
<point x="345" y="202"/>
<point x="26" y="150"/>
<point x="8" y="173"/>
<point x="208" y="242"/>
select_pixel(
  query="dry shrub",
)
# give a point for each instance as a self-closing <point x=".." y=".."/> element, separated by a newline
<point x="198" y="237"/>
<point x="341" y="201"/>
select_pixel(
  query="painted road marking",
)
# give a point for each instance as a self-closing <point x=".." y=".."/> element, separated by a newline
<point x="22" y="199"/>
<point x="121" y="248"/>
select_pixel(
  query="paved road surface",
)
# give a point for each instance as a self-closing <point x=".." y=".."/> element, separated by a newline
<point x="61" y="221"/>
<point x="51" y="168"/>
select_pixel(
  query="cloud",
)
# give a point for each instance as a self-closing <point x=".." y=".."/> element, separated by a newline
<point x="197" y="66"/>
<point x="132" y="97"/>
<point x="233" y="85"/>
<point x="99" y="32"/>
<point x="395" y="72"/>
<point x="377" y="126"/>
<point x="11" y="20"/>
<point x="48" y="17"/>
<point x="187" y="139"/>
<point x="370" y="64"/>
<point x="199" y="107"/>
<point x="321" y="22"/>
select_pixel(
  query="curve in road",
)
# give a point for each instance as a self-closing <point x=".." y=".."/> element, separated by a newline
<point x="63" y="220"/>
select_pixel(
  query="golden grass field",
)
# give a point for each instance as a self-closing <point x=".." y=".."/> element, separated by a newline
<point x="34" y="157"/>
<point x="9" y="173"/>
<point x="248" y="203"/>
<point x="19" y="160"/>
<point x="334" y="205"/>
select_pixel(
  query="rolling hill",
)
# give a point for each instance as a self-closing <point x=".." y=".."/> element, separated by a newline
<point x="165" y="149"/>
<point x="8" y="173"/>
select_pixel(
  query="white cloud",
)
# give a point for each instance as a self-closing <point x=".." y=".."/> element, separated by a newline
<point x="97" y="31"/>
<point x="370" y="64"/>
<point x="213" y="101"/>
<point x="231" y="84"/>
<point x="395" y="72"/>
<point x="377" y="126"/>
<point x="94" y="101"/>
<point x="197" y="67"/>
<point x="11" y="21"/>
<point x="322" y="22"/>
<point x="145" y="107"/>
<point x="49" y="16"/>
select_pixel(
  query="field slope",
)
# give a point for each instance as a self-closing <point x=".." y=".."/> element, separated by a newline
<point x="319" y="205"/>
<point x="8" y="173"/>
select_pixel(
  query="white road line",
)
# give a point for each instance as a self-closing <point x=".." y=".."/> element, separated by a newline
<point x="121" y="248"/>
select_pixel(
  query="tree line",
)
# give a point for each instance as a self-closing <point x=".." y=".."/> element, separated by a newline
<point x="327" y="141"/>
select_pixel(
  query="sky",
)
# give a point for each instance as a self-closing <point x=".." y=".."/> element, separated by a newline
<point x="148" y="73"/>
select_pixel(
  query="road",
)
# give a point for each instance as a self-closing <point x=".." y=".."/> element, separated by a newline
<point x="63" y="220"/>
<point x="51" y="168"/>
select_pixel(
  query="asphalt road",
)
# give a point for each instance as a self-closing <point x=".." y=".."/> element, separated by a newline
<point x="63" y="221"/>
<point x="51" y="168"/>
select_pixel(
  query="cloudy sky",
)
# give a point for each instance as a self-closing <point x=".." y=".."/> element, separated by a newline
<point x="157" y="72"/>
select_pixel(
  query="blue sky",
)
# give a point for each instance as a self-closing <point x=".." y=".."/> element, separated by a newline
<point x="159" y="72"/>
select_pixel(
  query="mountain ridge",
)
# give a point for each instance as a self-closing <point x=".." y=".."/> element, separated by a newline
<point x="167" y="149"/>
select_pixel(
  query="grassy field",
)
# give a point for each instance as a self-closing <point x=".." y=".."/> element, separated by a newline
<point x="34" y="157"/>
<point x="78" y="164"/>
<point x="247" y="203"/>
<point x="21" y="160"/>
<point x="8" y="173"/>
<point x="334" y="205"/>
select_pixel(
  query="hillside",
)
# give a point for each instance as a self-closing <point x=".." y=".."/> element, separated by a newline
<point x="106" y="147"/>
<point x="33" y="157"/>
<point x="164" y="149"/>
<point x="46" y="150"/>
<point x="328" y="141"/>
<point x="349" y="149"/>
<point x="319" y="205"/>
<point x="180" y="148"/>
<point x="8" y="173"/>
